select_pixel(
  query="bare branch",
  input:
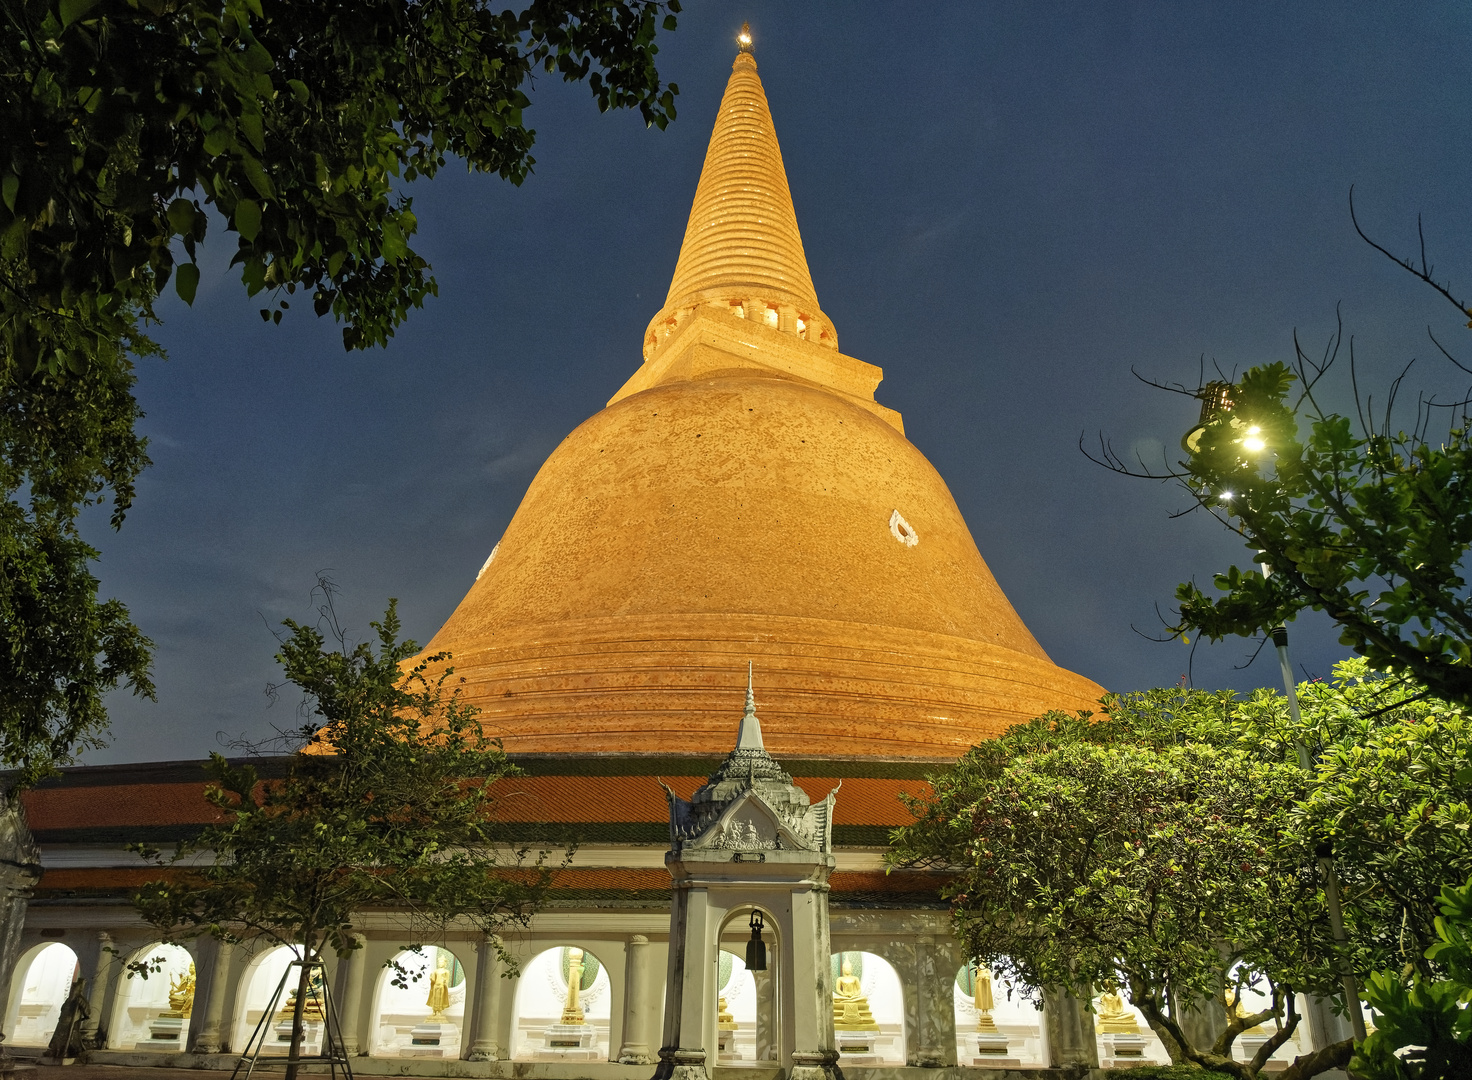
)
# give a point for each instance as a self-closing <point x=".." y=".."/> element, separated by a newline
<point x="1424" y="273"/>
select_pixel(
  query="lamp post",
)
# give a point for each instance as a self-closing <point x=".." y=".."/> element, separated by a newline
<point x="1216" y="399"/>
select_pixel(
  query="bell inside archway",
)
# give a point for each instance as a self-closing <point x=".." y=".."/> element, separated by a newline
<point x="756" y="948"/>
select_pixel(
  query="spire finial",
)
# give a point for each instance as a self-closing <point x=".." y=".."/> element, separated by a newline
<point x="743" y="39"/>
<point x="750" y="735"/>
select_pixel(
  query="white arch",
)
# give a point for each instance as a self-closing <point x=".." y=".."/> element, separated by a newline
<point x="257" y="984"/>
<point x="1154" y="1051"/>
<point x="1014" y="1016"/>
<point x="540" y="994"/>
<point x="142" y="1000"/>
<point x="881" y="984"/>
<point x="38" y="988"/>
<point x="401" y="1025"/>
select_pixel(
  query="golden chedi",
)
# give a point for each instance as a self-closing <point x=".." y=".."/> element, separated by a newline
<point x="850" y="1006"/>
<point x="744" y="496"/>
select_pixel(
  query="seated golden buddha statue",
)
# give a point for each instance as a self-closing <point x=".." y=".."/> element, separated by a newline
<point x="850" y="1006"/>
<point x="312" y="1010"/>
<point x="1114" y="1018"/>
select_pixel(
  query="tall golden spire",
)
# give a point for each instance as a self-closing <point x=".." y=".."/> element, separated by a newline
<point x="742" y="251"/>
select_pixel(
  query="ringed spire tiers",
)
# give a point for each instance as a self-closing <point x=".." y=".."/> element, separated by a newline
<point x="742" y="251"/>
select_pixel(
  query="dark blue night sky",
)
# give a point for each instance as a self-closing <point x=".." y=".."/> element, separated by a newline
<point x="1005" y="207"/>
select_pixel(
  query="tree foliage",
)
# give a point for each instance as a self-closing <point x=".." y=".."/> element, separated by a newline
<point x="1371" y="526"/>
<point x="1425" y="1023"/>
<point x="386" y="802"/>
<point x="1355" y="517"/>
<point x="1170" y="848"/>
<point x="129" y="129"/>
<point x="1130" y="851"/>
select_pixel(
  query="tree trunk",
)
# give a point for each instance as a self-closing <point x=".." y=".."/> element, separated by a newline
<point x="303" y="987"/>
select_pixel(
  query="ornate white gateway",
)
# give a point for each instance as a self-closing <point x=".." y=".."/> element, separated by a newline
<point x="750" y="843"/>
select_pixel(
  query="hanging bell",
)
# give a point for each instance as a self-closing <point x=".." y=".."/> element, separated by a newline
<point x="756" y="948"/>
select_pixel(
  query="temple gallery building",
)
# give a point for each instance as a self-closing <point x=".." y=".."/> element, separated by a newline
<point x="743" y="503"/>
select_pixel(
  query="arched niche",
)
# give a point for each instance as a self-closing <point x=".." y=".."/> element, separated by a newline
<point x="737" y="1024"/>
<point x="153" y="1011"/>
<point x="1247" y="1044"/>
<point x="881" y="995"/>
<point x="1012" y="1016"/>
<point x="541" y="996"/>
<point x="257" y="986"/>
<point x="1122" y="1034"/>
<point x="751" y="996"/>
<point x="419" y="1005"/>
<point x="40" y="986"/>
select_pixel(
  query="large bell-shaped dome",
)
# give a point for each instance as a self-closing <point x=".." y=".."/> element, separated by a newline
<point x="744" y="498"/>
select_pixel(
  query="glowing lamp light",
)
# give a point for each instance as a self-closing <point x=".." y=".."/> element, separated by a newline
<point x="743" y="39"/>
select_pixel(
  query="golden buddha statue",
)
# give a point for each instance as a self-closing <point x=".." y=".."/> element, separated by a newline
<point x="313" y="1011"/>
<point x="850" y="1007"/>
<point x="439" y="990"/>
<point x="724" y="1020"/>
<point x="572" y="1009"/>
<point x="1114" y="1017"/>
<point x="984" y="1001"/>
<point x="181" y="994"/>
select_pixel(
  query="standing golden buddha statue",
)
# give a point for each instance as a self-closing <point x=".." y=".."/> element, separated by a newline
<point x="439" y="989"/>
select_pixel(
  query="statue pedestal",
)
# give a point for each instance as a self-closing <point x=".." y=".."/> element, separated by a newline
<point x="570" y="1042"/>
<point x="991" y="1051"/>
<point x="726" y="1042"/>
<point x="1250" y="1042"/>
<point x="855" y="1042"/>
<point x="1121" y="1051"/>
<point x="166" y="1035"/>
<point x="311" y="1034"/>
<point x="431" y="1039"/>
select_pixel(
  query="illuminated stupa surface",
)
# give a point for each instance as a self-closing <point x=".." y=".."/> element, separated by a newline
<point x="744" y="498"/>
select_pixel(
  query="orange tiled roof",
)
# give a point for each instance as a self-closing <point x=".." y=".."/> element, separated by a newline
<point x="110" y="804"/>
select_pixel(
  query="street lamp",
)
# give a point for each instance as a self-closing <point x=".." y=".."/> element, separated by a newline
<point x="1216" y="399"/>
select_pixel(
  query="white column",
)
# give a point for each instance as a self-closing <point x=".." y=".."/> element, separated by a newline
<point x="349" y="1006"/>
<point x="211" y="1040"/>
<point x="1070" y="1026"/>
<point x="683" y="1054"/>
<point x="766" y="1030"/>
<point x="635" y="1050"/>
<point x="487" y="1002"/>
<point x="102" y="975"/>
<point x="807" y="983"/>
<point x="935" y="1010"/>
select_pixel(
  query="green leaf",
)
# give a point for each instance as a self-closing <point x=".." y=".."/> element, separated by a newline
<point x="186" y="281"/>
<point x="257" y="176"/>
<point x="248" y="219"/>
<point x="72" y="10"/>
<point x="299" y="90"/>
<point x="254" y="128"/>
<point x="181" y="216"/>
<point x="8" y="189"/>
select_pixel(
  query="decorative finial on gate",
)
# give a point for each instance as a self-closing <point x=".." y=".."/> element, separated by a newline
<point x="750" y="735"/>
